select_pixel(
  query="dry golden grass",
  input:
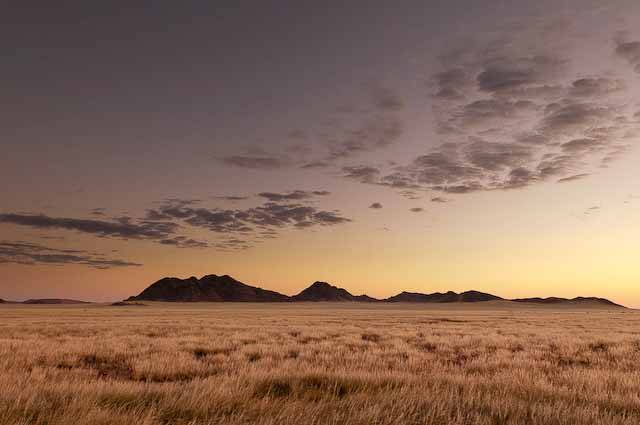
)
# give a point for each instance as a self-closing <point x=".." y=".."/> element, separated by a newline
<point x="318" y="364"/>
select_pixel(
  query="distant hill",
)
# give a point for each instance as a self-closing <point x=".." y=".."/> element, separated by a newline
<point x="208" y="288"/>
<point x="439" y="297"/>
<point x="570" y="301"/>
<point x="213" y="288"/>
<point x="127" y="304"/>
<point x="323" y="291"/>
<point x="54" y="301"/>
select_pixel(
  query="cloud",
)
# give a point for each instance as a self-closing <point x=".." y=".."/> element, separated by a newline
<point x="376" y="206"/>
<point x="510" y="74"/>
<point x="184" y="242"/>
<point x="98" y="211"/>
<point x="33" y="254"/>
<point x="385" y="99"/>
<point x="410" y="194"/>
<point x="582" y="145"/>
<point x="629" y="50"/>
<point x="315" y="164"/>
<point x="361" y="173"/>
<point x="510" y="115"/>
<point x="595" y="87"/>
<point x="416" y="209"/>
<point x="439" y="199"/>
<point x="449" y="84"/>
<point x="255" y="162"/>
<point x="376" y="133"/>
<point x="122" y="228"/>
<point x="342" y="134"/>
<point x="488" y="112"/>
<point x="292" y="196"/>
<point x="592" y="210"/>
<point x="496" y="156"/>
<point x="232" y="198"/>
<point x="574" y="118"/>
<point x="442" y="167"/>
<point x="249" y="224"/>
<point x="573" y="178"/>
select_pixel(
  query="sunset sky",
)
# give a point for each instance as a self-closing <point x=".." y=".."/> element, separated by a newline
<point x="381" y="146"/>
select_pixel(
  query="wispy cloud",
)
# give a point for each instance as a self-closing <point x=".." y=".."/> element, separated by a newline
<point x="26" y="253"/>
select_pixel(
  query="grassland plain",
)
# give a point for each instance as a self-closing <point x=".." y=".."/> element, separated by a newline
<point x="318" y="364"/>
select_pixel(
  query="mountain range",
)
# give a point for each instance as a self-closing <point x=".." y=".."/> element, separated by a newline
<point x="227" y="289"/>
<point x="45" y="301"/>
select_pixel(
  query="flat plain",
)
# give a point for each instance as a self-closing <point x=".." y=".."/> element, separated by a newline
<point x="318" y="363"/>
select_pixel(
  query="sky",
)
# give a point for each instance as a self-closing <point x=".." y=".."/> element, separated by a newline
<point x="381" y="146"/>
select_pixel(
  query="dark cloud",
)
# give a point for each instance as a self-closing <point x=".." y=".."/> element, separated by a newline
<point x="297" y="134"/>
<point x="255" y="162"/>
<point x="398" y="180"/>
<point x="98" y="211"/>
<point x="442" y="168"/>
<point x="249" y="224"/>
<point x="583" y="145"/>
<point x="233" y="244"/>
<point x="462" y="188"/>
<point x="316" y="164"/>
<point x="184" y="242"/>
<point x="362" y="173"/>
<point x="386" y="99"/>
<point x="376" y="206"/>
<point x="292" y="196"/>
<point x="519" y="177"/>
<point x="410" y="194"/>
<point x="507" y="74"/>
<point x="531" y="139"/>
<point x="629" y="50"/>
<point x="121" y="228"/>
<point x="487" y="112"/>
<point x="574" y="118"/>
<point x="416" y="209"/>
<point x="33" y="254"/>
<point x="232" y="198"/>
<point x="439" y="199"/>
<point x="451" y="83"/>
<point x="595" y="87"/>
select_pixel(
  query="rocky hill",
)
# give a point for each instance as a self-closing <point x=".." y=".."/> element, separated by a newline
<point x="53" y="301"/>
<point x="323" y="291"/>
<point x="569" y="301"/>
<point x="446" y="297"/>
<point x="208" y="288"/>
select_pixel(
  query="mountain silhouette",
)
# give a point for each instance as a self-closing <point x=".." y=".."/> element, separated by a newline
<point x="52" y="301"/>
<point x="213" y="288"/>
<point x="446" y="297"/>
<point x="577" y="300"/>
<point x="208" y="288"/>
<point x="323" y="291"/>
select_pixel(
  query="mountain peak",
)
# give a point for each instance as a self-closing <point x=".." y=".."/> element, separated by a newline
<point x="323" y="291"/>
<point x="208" y="288"/>
<point x="578" y="301"/>
<point x="439" y="297"/>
